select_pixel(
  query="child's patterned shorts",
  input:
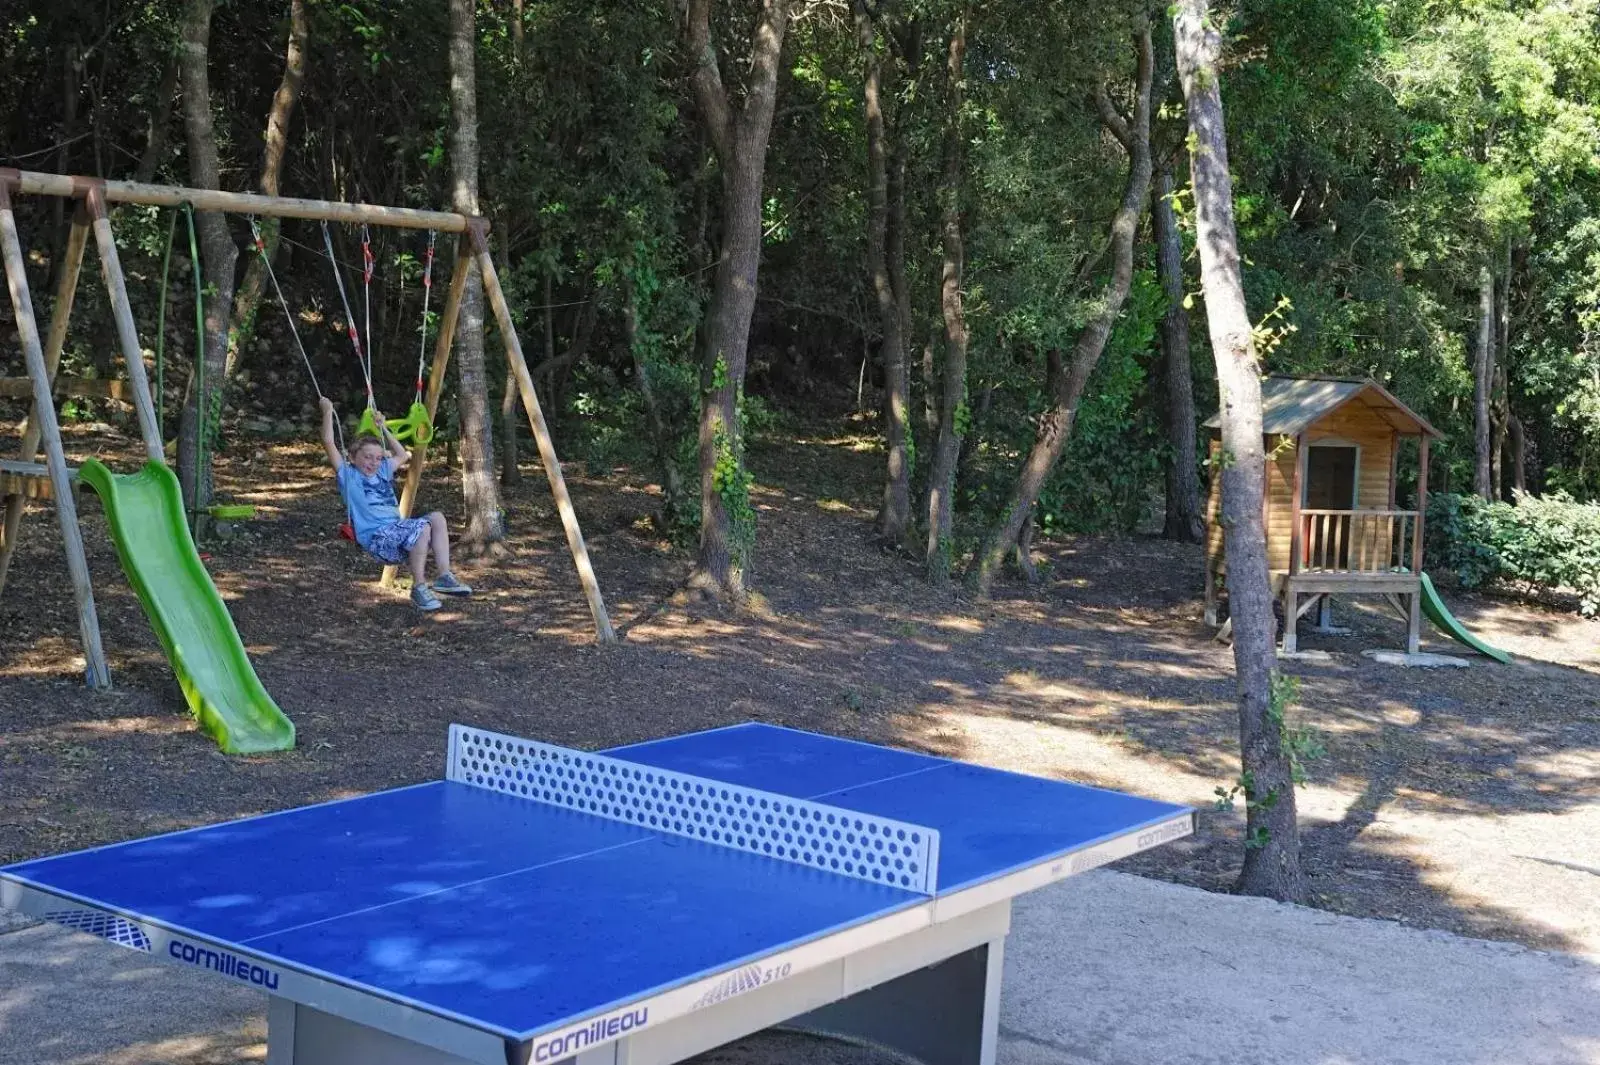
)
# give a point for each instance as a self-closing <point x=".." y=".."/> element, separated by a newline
<point x="394" y="541"/>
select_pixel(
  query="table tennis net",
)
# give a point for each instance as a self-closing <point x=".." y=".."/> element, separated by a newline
<point x="813" y="834"/>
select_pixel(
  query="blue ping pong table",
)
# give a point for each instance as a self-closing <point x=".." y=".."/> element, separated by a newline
<point x="542" y="904"/>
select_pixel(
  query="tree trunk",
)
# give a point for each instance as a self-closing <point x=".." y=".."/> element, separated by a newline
<point x="218" y="256"/>
<point x="1498" y="428"/>
<point x="1185" y="519"/>
<point x="1519" y="457"/>
<point x="276" y="144"/>
<point x="1055" y="425"/>
<point x="739" y="133"/>
<point x="947" y="448"/>
<point x="479" y="490"/>
<point x="155" y="145"/>
<point x="660" y="438"/>
<point x="894" y="516"/>
<point x="1272" y="849"/>
<point x="510" y="461"/>
<point x="1482" y="384"/>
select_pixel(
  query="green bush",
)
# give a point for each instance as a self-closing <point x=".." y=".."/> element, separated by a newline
<point x="1552" y="541"/>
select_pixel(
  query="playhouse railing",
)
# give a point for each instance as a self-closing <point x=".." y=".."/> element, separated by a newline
<point x="1356" y="541"/>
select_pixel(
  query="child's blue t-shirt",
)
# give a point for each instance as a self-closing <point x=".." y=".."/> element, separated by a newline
<point x="370" y="501"/>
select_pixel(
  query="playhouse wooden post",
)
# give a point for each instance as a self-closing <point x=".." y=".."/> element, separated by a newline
<point x="541" y="435"/>
<point x="1291" y="595"/>
<point x="127" y="332"/>
<point x="441" y="361"/>
<point x="60" y="312"/>
<point x="1414" y="621"/>
<point x="98" y="674"/>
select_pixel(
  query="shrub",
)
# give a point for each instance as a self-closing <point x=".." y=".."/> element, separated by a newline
<point x="1551" y="541"/>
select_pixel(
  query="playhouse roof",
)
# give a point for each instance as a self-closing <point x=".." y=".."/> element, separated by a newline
<point x="1290" y="405"/>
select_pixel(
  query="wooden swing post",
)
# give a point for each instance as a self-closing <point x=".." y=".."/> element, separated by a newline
<point x="441" y="362"/>
<point x="60" y="312"/>
<point x="541" y="433"/>
<point x="44" y="413"/>
<point x="127" y="332"/>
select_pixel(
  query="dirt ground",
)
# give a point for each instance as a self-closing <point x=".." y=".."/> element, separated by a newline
<point x="1460" y="799"/>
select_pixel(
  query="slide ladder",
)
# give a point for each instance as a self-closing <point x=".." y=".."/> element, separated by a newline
<point x="145" y="513"/>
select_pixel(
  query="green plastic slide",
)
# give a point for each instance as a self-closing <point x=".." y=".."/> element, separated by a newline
<point x="145" y="513"/>
<point x="1446" y="623"/>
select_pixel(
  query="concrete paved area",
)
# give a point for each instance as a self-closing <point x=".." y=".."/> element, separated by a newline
<point x="1105" y="969"/>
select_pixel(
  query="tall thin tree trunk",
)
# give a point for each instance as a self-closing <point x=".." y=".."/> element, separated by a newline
<point x="660" y="438"/>
<point x="739" y="135"/>
<point x="1272" y="849"/>
<point x="1482" y="384"/>
<point x="218" y="255"/>
<point x="1055" y="425"/>
<point x="1185" y="521"/>
<point x="276" y="144"/>
<point x="479" y="489"/>
<point x="510" y="462"/>
<point x="1519" y="457"/>
<point x="894" y="515"/>
<point x="947" y="446"/>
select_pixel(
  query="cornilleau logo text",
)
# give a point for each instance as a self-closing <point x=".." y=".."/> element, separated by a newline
<point x="222" y="962"/>
<point x="561" y="1046"/>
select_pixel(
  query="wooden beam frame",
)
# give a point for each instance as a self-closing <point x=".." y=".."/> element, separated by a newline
<point x="44" y="413"/>
<point x="541" y="434"/>
<point x="441" y="362"/>
<point x="39" y="184"/>
<point x="127" y="331"/>
<point x="96" y="194"/>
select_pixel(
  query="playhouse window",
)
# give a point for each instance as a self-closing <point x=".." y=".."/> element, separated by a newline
<point x="1331" y="477"/>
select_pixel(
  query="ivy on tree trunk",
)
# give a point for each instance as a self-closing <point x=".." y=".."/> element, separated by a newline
<point x="739" y="131"/>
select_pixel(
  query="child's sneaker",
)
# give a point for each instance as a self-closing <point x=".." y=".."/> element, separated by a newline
<point x="424" y="599"/>
<point x="446" y="584"/>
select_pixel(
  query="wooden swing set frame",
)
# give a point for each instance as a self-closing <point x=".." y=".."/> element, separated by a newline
<point x="24" y="478"/>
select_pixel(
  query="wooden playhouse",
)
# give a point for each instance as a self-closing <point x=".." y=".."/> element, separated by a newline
<point x="1332" y="521"/>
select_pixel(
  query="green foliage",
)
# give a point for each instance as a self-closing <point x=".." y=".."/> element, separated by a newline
<point x="1549" y="541"/>
<point x="1114" y="460"/>
<point x="731" y="481"/>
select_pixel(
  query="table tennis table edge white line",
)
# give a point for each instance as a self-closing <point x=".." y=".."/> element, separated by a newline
<point x="938" y="910"/>
<point x="913" y="913"/>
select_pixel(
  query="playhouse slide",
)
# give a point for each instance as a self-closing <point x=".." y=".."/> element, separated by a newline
<point x="1446" y="623"/>
<point x="145" y="513"/>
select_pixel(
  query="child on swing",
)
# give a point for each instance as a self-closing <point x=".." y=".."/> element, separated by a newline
<point x="366" y="481"/>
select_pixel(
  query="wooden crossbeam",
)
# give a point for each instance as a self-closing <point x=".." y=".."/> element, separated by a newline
<point x="70" y="387"/>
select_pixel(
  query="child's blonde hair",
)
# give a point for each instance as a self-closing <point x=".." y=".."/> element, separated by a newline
<point x="364" y="440"/>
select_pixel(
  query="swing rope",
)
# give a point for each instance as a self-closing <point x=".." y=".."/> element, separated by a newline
<point x="427" y="291"/>
<point x="350" y="319"/>
<point x="288" y="316"/>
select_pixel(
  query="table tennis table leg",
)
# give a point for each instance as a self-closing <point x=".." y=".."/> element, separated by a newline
<point x="945" y="1014"/>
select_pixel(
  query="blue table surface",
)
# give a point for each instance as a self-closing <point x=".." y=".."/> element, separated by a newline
<point x="518" y="917"/>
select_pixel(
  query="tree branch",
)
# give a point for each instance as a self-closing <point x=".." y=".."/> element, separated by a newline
<point x="1111" y="118"/>
<point x="706" y="79"/>
<point x="766" y="48"/>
